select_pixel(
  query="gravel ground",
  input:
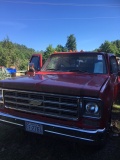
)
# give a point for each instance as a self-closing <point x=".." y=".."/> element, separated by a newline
<point x="16" y="144"/>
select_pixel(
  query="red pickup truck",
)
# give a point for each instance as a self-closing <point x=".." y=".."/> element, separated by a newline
<point x="70" y="96"/>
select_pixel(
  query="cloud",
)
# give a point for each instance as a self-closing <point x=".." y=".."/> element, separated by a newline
<point x="62" y="4"/>
<point x="53" y="19"/>
<point x="13" y="24"/>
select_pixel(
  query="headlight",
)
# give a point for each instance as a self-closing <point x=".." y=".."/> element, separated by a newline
<point x="92" y="108"/>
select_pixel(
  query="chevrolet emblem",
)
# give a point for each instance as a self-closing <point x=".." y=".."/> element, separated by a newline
<point x="35" y="103"/>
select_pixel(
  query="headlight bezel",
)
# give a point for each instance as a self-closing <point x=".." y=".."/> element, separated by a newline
<point x="92" y="108"/>
<point x="1" y="99"/>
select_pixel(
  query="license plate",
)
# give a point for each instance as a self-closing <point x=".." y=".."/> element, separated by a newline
<point x="34" y="127"/>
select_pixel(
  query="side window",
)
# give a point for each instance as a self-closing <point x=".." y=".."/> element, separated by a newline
<point x="113" y="65"/>
<point x="35" y="60"/>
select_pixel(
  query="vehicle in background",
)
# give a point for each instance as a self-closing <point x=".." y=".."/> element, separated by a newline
<point x="71" y="96"/>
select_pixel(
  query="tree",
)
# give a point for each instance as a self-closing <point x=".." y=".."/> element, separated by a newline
<point x="49" y="51"/>
<point x="2" y="57"/>
<point x="117" y="44"/>
<point x="60" y="48"/>
<point x="71" y="43"/>
<point x="14" y="54"/>
<point x="8" y="52"/>
<point x="108" y="47"/>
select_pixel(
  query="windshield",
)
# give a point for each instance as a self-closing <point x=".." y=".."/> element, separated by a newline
<point x="75" y="62"/>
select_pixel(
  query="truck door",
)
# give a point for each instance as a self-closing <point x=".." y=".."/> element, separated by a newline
<point x="114" y="77"/>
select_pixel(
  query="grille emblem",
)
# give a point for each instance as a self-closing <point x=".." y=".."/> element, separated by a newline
<point x="35" y="103"/>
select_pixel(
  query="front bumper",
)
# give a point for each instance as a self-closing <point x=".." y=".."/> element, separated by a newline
<point x="91" y="136"/>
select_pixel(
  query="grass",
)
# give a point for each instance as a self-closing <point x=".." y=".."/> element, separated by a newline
<point x="116" y="106"/>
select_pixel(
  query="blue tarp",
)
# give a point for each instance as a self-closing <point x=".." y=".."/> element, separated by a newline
<point x="11" y="70"/>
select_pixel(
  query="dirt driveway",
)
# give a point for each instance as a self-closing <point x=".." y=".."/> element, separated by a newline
<point x="18" y="145"/>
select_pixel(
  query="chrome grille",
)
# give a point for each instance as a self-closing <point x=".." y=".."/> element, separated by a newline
<point x="46" y="104"/>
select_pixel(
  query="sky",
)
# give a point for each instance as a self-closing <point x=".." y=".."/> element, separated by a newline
<point x="40" y="23"/>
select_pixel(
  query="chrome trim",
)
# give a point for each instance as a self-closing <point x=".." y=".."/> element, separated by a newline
<point x="87" y="116"/>
<point x="49" y="115"/>
<point x="96" y="99"/>
<point x="46" y="104"/>
<point x="1" y="96"/>
<point x="64" y="131"/>
<point x="66" y="135"/>
<point x="11" y="123"/>
<point x="52" y="125"/>
<point x="90" y="98"/>
<point x="40" y="92"/>
<point x="1" y="99"/>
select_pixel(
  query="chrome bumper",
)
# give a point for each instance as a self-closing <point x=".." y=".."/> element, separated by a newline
<point x="92" y="136"/>
<point x="1" y="100"/>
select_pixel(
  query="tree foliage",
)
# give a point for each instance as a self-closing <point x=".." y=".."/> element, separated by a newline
<point x="110" y="47"/>
<point x="19" y="55"/>
<point x="71" y="43"/>
<point x="12" y="54"/>
<point x="8" y="52"/>
<point x="60" y="48"/>
<point x="49" y="51"/>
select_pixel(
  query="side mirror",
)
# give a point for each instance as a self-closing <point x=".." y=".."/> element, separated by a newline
<point x="31" y="70"/>
<point x="31" y="67"/>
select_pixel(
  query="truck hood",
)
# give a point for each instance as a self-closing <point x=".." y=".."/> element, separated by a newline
<point x="70" y="84"/>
